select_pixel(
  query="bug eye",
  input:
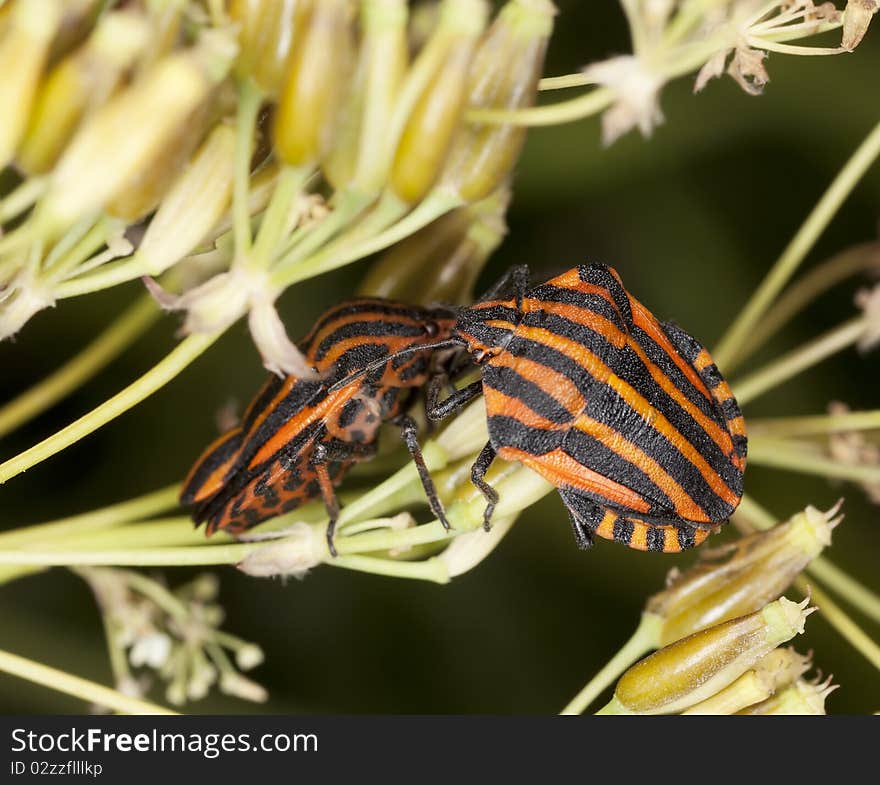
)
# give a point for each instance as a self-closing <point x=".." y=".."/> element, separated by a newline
<point x="431" y="329"/>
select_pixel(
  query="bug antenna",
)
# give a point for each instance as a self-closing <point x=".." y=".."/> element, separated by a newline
<point x="446" y="343"/>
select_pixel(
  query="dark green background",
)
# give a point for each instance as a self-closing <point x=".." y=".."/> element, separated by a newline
<point x="691" y="218"/>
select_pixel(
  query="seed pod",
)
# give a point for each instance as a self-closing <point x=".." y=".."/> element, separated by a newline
<point x="117" y="143"/>
<point x="23" y="52"/>
<point x="165" y="21"/>
<point x="142" y="193"/>
<point x="385" y="54"/>
<point x="506" y="71"/>
<point x="779" y="669"/>
<point x="437" y="88"/>
<point x="80" y="82"/>
<point x="267" y="29"/>
<point x="758" y="568"/>
<point x="309" y="101"/>
<point x="693" y="669"/>
<point x="77" y="20"/>
<point x="194" y="204"/>
<point x="441" y="262"/>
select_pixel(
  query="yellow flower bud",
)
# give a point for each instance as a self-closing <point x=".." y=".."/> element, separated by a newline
<point x="266" y="33"/>
<point x="24" y="48"/>
<point x="124" y="137"/>
<point x="80" y="82"/>
<point x="506" y="71"/>
<point x="740" y="578"/>
<point x="693" y="669"/>
<point x="195" y="203"/>
<point x="308" y="104"/>
<point x="430" y="126"/>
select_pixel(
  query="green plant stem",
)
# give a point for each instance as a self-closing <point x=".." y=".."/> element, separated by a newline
<point x="739" y="335"/>
<point x="433" y="569"/>
<point x="178" y="359"/>
<point x="114" y="515"/>
<point x="249" y="99"/>
<point x="643" y="640"/>
<point x="438" y="203"/>
<point x="816" y="425"/>
<point x="154" y="557"/>
<point x="22" y="197"/>
<point x="290" y="183"/>
<point x="804" y="291"/>
<point x="136" y="320"/>
<point x="791" y="364"/>
<point x="782" y="454"/>
<point x="74" y="685"/>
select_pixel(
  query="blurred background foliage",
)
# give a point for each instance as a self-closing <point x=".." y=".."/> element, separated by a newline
<point x="691" y="218"/>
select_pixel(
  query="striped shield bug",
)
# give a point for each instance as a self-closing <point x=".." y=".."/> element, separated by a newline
<point x="627" y="416"/>
<point x="298" y="437"/>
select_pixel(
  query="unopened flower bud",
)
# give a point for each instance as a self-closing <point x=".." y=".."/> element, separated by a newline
<point x="693" y="669"/>
<point x="441" y="75"/>
<point x="194" y="204"/>
<point x="308" y="104"/>
<point x="295" y="554"/>
<point x="79" y="83"/>
<point x="467" y="550"/>
<point x="249" y="656"/>
<point x="857" y="17"/>
<point x="280" y="355"/>
<point x="24" y="47"/>
<point x="20" y="300"/>
<point x="441" y="262"/>
<point x="506" y="70"/>
<point x="241" y="687"/>
<point x="130" y="131"/>
<point x="802" y="697"/>
<point x="741" y="577"/>
<point x="266" y="32"/>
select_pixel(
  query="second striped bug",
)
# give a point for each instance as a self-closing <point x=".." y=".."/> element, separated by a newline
<point x="298" y="437"/>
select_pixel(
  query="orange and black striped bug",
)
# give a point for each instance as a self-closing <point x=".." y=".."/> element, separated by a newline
<point x="627" y="416"/>
<point x="298" y="437"/>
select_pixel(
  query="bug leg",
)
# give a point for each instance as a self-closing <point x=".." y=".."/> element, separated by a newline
<point x="320" y="460"/>
<point x="437" y="409"/>
<point x="409" y="434"/>
<point x="516" y="278"/>
<point x="478" y="472"/>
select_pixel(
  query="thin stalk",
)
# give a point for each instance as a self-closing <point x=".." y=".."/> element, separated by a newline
<point x="738" y="336"/>
<point x="432" y="569"/>
<point x="791" y="364"/>
<point x="114" y="515"/>
<point x="436" y="204"/>
<point x="22" y="198"/>
<point x="135" y="321"/>
<point x="816" y="425"/>
<point x="162" y="373"/>
<point x="288" y="186"/>
<point x="86" y="690"/>
<point x="249" y="99"/>
<point x="135" y="557"/>
<point x="782" y="454"/>
<point x="564" y="82"/>
<point x="643" y="640"/>
<point x="804" y="291"/>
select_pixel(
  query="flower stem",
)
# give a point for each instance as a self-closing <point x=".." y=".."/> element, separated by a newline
<point x="178" y="359"/>
<point x="74" y="685"/>
<point x="249" y="99"/>
<point x="738" y="336"/>
<point x="817" y="281"/>
<point x="154" y="557"/>
<point x="129" y="510"/>
<point x="643" y="640"/>
<point x="432" y="569"/>
<point x="106" y="347"/>
<point x="782" y="454"/>
<point x="816" y="425"/>
<point x="791" y="364"/>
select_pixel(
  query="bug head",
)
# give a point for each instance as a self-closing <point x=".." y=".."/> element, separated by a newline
<point x="486" y="329"/>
